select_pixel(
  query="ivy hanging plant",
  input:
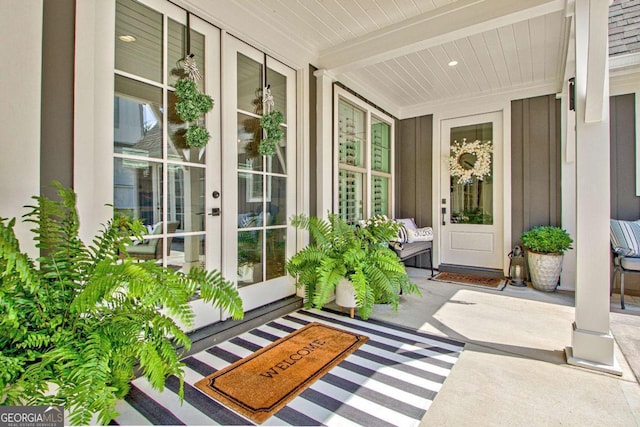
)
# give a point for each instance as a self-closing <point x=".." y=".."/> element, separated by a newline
<point x="191" y="105"/>
<point x="270" y="123"/>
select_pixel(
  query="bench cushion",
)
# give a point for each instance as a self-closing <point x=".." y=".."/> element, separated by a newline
<point x="625" y="237"/>
<point x="407" y="250"/>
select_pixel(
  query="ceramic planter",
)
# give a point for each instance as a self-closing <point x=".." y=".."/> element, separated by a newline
<point x="346" y="295"/>
<point x="544" y="270"/>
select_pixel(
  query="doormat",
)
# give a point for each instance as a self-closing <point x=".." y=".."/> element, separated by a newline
<point x="468" y="280"/>
<point x="265" y="381"/>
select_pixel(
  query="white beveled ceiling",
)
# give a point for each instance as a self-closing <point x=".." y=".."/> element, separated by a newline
<point x="396" y="52"/>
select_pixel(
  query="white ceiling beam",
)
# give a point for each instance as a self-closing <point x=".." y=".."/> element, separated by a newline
<point x="454" y="21"/>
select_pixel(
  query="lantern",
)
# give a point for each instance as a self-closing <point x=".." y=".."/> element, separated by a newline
<point x="516" y="267"/>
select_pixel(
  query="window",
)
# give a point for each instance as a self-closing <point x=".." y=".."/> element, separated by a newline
<point x="364" y="156"/>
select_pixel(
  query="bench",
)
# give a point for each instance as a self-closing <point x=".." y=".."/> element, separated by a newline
<point x="413" y="241"/>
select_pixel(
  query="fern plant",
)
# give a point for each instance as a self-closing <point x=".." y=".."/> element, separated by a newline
<point x="359" y="254"/>
<point x="76" y="322"/>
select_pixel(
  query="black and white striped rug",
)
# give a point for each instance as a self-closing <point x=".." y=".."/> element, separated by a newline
<point x="390" y="381"/>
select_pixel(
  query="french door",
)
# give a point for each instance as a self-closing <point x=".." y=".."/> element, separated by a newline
<point x="260" y="191"/>
<point x="471" y="191"/>
<point x="171" y="187"/>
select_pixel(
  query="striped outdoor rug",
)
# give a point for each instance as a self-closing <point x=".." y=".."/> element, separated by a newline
<point x="390" y="381"/>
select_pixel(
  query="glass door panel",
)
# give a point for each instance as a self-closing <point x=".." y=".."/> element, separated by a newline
<point x="471" y="199"/>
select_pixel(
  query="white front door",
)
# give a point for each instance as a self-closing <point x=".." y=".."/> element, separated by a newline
<point x="260" y="191"/>
<point x="471" y="191"/>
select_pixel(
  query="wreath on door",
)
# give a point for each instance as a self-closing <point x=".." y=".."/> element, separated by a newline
<point x="469" y="160"/>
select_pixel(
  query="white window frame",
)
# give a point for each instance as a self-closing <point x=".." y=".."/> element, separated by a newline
<point x="370" y="111"/>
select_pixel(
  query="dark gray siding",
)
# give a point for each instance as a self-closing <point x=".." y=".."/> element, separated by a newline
<point x="624" y="202"/>
<point x="535" y="164"/>
<point x="313" y="142"/>
<point x="58" y="58"/>
<point x="413" y="173"/>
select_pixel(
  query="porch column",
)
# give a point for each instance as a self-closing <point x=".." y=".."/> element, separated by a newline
<point x="324" y="155"/>
<point x="21" y="35"/>
<point x="592" y="341"/>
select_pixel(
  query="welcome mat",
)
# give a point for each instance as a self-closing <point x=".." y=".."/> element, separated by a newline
<point x="262" y="383"/>
<point x="469" y="280"/>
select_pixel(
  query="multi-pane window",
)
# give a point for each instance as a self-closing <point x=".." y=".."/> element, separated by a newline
<point x="364" y="148"/>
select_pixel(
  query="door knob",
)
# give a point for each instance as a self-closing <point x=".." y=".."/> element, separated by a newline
<point x="215" y="194"/>
<point x="215" y="212"/>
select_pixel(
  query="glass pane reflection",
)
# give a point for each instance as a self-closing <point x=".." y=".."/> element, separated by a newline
<point x="141" y="55"/>
<point x="249" y="85"/>
<point x="275" y="252"/>
<point x="137" y="190"/>
<point x="185" y="197"/>
<point x="250" y="200"/>
<point x="249" y="257"/>
<point x="276" y="200"/>
<point x="137" y="116"/>
<point x="177" y="45"/>
<point x="278" y="85"/>
<point x="249" y="136"/>
<point x="186" y="252"/>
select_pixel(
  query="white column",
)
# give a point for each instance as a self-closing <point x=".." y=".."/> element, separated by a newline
<point x="21" y="35"/>
<point x="592" y="341"/>
<point x="324" y="159"/>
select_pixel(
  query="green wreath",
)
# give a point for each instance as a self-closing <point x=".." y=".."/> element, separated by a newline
<point x="270" y="123"/>
<point x="190" y="106"/>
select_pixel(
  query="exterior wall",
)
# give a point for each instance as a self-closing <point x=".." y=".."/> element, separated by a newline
<point x="414" y="174"/>
<point x="21" y="35"/>
<point x="535" y="164"/>
<point x="313" y="140"/>
<point x="625" y="204"/>
<point x="58" y="67"/>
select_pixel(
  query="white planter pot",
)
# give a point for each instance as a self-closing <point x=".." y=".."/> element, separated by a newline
<point x="544" y="270"/>
<point x="346" y="295"/>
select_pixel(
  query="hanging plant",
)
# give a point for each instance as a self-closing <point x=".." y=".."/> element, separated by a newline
<point x="270" y="123"/>
<point x="197" y="136"/>
<point x="190" y="106"/>
<point x="470" y="159"/>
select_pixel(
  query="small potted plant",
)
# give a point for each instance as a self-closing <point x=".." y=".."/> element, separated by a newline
<point x="546" y="246"/>
<point x="360" y="254"/>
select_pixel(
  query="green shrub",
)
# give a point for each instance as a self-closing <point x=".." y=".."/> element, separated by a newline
<point x="84" y="317"/>
<point x="547" y="239"/>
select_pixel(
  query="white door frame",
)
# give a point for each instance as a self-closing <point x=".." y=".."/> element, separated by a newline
<point x="440" y="160"/>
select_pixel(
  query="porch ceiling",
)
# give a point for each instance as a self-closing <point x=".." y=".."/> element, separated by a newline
<point x="395" y="52"/>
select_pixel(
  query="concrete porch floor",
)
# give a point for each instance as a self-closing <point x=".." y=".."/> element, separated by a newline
<point x="513" y="370"/>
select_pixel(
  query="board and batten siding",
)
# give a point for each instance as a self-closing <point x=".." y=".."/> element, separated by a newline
<point x="535" y="164"/>
<point x="625" y="204"/>
<point x="414" y="175"/>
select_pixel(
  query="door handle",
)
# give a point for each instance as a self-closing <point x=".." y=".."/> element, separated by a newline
<point x="215" y="212"/>
<point x="444" y="215"/>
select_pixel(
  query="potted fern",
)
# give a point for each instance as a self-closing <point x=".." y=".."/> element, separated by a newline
<point x="76" y="322"/>
<point x="545" y="246"/>
<point x="359" y="254"/>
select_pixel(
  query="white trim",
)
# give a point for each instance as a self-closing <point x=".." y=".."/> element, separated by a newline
<point x="324" y="142"/>
<point x="93" y="114"/>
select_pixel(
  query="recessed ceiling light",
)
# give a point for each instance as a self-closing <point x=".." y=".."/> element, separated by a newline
<point x="127" y="38"/>
<point x="453" y="63"/>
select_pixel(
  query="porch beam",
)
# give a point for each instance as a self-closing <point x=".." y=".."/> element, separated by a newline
<point x="454" y="21"/>
<point x="597" y="68"/>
